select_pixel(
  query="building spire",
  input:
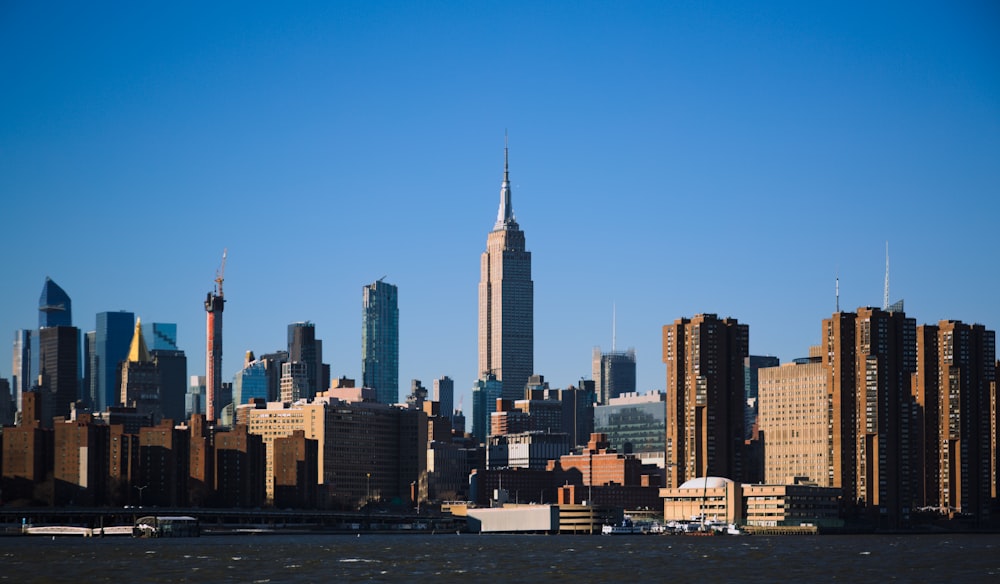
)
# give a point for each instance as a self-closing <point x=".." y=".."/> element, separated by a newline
<point x="505" y="215"/>
<point x="837" y="293"/>
<point x="137" y="352"/>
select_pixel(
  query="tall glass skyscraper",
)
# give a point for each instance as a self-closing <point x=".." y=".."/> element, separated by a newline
<point x="111" y="344"/>
<point x="506" y="301"/>
<point x="250" y="383"/>
<point x="25" y="364"/>
<point x="614" y="373"/>
<point x="160" y="336"/>
<point x="54" y="306"/>
<point x="444" y="394"/>
<point x="380" y="341"/>
<point x="485" y="393"/>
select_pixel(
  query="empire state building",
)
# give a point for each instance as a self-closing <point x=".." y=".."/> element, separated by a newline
<point x="506" y="301"/>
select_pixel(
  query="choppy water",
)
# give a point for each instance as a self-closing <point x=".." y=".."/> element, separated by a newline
<point x="475" y="559"/>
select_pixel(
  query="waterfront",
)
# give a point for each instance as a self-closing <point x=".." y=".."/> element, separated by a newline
<point x="502" y="558"/>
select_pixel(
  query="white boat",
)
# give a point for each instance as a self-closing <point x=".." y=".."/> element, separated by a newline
<point x="627" y="527"/>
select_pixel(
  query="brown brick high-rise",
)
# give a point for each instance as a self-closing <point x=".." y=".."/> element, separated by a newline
<point x="870" y="356"/>
<point x="955" y="415"/>
<point x="705" y="401"/>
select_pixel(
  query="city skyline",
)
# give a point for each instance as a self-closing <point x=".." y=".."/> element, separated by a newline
<point x="670" y="161"/>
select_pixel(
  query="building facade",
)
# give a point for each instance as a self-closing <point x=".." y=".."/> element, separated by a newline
<point x="172" y="367"/>
<point x="23" y="373"/>
<point x="870" y="356"/>
<point x="251" y="382"/>
<point x="160" y="336"/>
<point x="294" y="381"/>
<point x="366" y="451"/>
<point x="485" y="394"/>
<point x="111" y="343"/>
<point x="794" y="418"/>
<point x="635" y="424"/>
<point x="140" y="380"/>
<point x="380" y="341"/>
<point x="54" y="306"/>
<point x="530" y="450"/>
<point x="704" y="358"/>
<point x="239" y="468"/>
<point x="215" y="303"/>
<point x="305" y="348"/>
<point x="444" y="394"/>
<point x="506" y="301"/>
<point x="751" y="365"/>
<point x="955" y="413"/>
<point x="194" y="399"/>
<point x="578" y="411"/>
<point x="614" y="374"/>
<point x="59" y="371"/>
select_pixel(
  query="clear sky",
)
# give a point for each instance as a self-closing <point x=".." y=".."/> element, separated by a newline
<point x="667" y="158"/>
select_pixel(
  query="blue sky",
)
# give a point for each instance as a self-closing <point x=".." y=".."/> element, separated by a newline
<point x="668" y="158"/>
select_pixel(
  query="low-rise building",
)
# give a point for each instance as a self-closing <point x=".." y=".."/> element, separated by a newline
<point x="526" y="450"/>
<point x="792" y="504"/>
<point x="776" y="505"/>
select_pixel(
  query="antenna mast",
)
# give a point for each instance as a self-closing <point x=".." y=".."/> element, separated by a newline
<point x="614" y="326"/>
<point x="885" y="298"/>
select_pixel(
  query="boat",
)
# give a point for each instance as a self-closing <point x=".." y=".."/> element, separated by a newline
<point x="627" y="527"/>
<point x="167" y="526"/>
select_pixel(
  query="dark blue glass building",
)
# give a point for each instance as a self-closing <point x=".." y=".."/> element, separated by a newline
<point x="160" y="336"/>
<point x="54" y="306"/>
<point x="111" y="344"/>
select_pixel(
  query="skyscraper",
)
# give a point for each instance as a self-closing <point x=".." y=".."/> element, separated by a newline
<point x="7" y="410"/>
<point x="380" y="341"/>
<point x="140" y="379"/>
<point x="58" y="354"/>
<point x="294" y="381"/>
<point x="25" y="364"/>
<point x="870" y="356"/>
<point x="444" y="394"/>
<point x="794" y="417"/>
<point x="194" y="399"/>
<point x="251" y="382"/>
<point x="160" y="335"/>
<point x="956" y="370"/>
<point x="54" y="306"/>
<point x="171" y="363"/>
<point x="89" y="360"/>
<point x="58" y="370"/>
<point x="751" y="365"/>
<point x="214" y="305"/>
<point x="614" y="374"/>
<point x="111" y="344"/>
<point x="172" y="366"/>
<point x="506" y="301"/>
<point x="485" y="393"/>
<point x="704" y="358"/>
<point x="303" y="347"/>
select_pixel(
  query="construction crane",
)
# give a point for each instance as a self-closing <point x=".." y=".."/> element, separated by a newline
<point x="221" y="272"/>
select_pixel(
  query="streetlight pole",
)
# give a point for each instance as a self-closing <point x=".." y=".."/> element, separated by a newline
<point x="140" y="489"/>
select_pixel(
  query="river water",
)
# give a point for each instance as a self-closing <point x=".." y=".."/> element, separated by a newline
<point x="489" y="559"/>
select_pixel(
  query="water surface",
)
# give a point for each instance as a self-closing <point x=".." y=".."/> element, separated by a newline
<point x="479" y="559"/>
